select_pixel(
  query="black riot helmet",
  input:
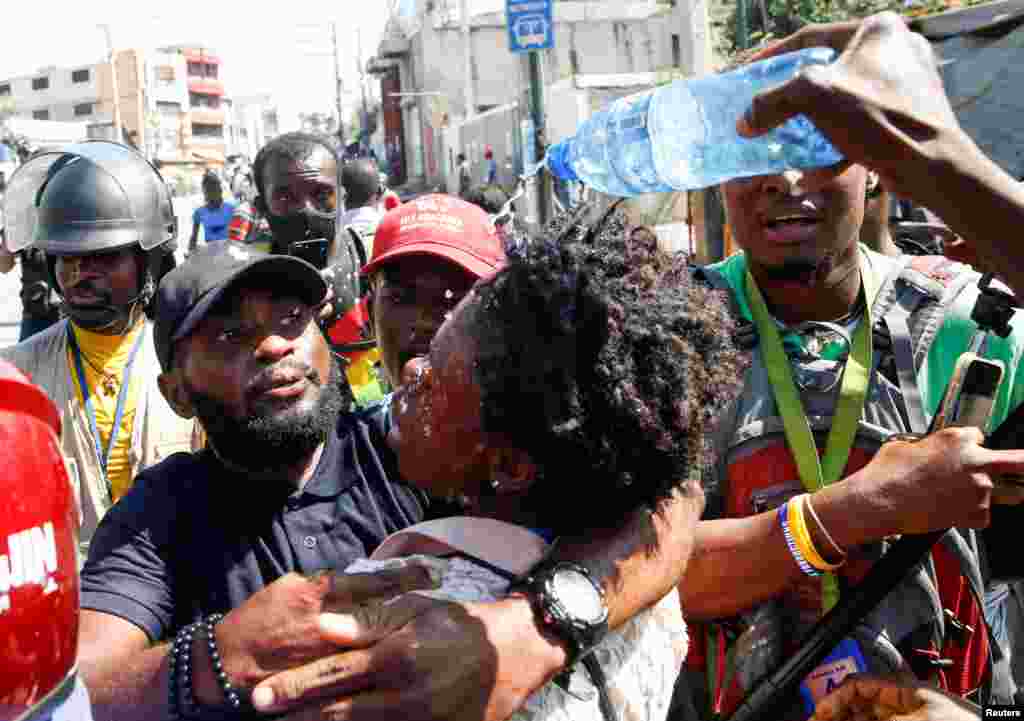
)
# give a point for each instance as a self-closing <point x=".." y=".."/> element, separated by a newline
<point x="89" y="198"/>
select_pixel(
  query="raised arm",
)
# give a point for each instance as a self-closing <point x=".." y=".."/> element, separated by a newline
<point x="883" y="104"/>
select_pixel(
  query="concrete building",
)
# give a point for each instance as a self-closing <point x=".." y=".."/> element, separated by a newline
<point x="85" y="94"/>
<point x="171" y="101"/>
<point x="603" y="49"/>
<point x="194" y="82"/>
<point x="252" y="122"/>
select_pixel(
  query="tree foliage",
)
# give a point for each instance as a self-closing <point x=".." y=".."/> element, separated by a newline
<point x="752" y="22"/>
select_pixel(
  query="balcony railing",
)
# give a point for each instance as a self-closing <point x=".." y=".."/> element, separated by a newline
<point x="207" y="86"/>
<point x="207" y="116"/>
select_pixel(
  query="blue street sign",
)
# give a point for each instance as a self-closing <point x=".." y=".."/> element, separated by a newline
<point x="530" y="25"/>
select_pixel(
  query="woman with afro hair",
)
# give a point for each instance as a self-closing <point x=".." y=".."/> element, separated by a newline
<point x="567" y="392"/>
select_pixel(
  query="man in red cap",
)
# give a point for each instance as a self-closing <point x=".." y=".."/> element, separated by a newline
<point x="427" y="254"/>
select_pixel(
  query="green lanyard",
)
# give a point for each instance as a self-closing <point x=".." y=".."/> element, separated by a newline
<point x="815" y="472"/>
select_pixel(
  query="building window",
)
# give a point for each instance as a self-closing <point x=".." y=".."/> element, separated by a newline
<point x="677" y="51"/>
<point x="5" y="89"/>
<point x="80" y="76"/>
<point x="195" y="69"/>
<point x="40" y="83"/>
<point x="41" y="114"/>
<point x="211" y="71"/>
<point x="203" y="100"/>
<point x="165" y="74"/>
<point x="83" y="109"/>
<point x="204" y="130"/>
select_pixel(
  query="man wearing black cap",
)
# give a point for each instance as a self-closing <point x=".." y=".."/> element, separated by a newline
<point x="290" y="484"/>
<point x="287" y="483"/>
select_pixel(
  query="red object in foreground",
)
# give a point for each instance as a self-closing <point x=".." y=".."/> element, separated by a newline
<point x="391" y="201"/>
<point x="38" y="558"/>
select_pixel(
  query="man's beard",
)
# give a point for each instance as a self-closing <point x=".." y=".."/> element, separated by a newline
<point x="266" y="443"/>
<point x="801" y="270"/>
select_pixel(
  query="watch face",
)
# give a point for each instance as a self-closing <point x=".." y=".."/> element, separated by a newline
<point x="578" y="596"/>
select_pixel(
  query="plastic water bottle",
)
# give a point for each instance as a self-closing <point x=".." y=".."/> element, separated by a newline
<point x="682" y="136"/>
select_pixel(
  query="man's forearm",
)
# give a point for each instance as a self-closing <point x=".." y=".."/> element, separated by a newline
<point x="128" y="688"/>
<point x="982" y="204"/>
<point x="136" y="687"/>
<point x="642" y="561"/>
<point x="740" y="562"/>
<point x="637" y="566"/>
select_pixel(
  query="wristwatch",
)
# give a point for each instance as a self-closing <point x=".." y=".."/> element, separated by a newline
<point x="569" y="604"/>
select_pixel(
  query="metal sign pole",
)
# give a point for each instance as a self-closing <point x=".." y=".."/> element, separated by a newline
<point x="531" y="30"/>
<point x="539" y="136"/>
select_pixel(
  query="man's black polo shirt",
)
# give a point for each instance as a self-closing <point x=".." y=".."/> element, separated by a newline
<point x="191" y="538"/>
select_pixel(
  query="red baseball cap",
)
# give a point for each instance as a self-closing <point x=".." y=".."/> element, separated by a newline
<point x="440" y="225"/>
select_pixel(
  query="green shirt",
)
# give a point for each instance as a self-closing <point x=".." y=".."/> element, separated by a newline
<point x="953" y="338"/>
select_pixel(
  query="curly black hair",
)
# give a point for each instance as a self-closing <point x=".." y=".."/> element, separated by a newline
<point x="606" y="359"/>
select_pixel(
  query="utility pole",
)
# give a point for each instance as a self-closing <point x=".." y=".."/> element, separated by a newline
<point x="362" y="87"/>
<point x="467" y="59"/>
<point x="539" y="134"/>
<point x="112" y="60"/>
<point x="704" y="210"/>
<point x="337" y="82"/>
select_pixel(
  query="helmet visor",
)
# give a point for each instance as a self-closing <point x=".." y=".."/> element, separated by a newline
<point x="20" y="212"/>
<point x="146" y="217"/>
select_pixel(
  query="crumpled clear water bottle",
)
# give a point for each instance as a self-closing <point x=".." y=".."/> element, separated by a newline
<point x="682" y="136"/>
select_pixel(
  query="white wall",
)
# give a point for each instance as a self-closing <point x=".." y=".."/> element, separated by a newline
<point x="60" y="98"/>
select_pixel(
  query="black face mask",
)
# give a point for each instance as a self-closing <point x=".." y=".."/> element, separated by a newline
<point x="302" y="225"/>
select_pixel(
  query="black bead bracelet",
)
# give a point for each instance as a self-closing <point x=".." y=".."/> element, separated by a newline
<point x="232" y="697"/>
<point x="181" y="700"/>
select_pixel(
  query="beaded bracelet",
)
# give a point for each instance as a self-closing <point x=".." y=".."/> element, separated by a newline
<point x="230" y="694"/>
<point x="181" y="702"/>
<point x="794" y="551"/>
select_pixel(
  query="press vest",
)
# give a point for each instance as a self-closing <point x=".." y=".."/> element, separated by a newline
<point x="156" y="433"/>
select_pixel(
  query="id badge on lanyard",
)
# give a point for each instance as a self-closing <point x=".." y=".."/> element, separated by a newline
<point x="845" y="659"/>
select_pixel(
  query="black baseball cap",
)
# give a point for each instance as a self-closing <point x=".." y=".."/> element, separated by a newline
<point x="188" y="292"/>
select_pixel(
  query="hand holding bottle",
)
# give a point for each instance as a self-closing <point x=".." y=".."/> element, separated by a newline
<point x="882" y="103"/>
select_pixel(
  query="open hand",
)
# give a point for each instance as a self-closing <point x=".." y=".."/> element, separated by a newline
<point x="881" y="103"/>
<point x="278" y="627"/>
<point x="419" y="659"/>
